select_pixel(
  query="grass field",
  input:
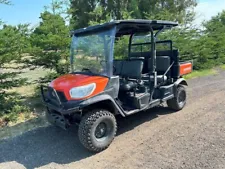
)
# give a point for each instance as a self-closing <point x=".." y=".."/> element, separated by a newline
<point x="222" y="67"/>
<point x="200" y="73"/>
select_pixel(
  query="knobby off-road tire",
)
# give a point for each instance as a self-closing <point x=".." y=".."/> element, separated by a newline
<point x="97" y="130"/>
<point x="179" y="101"/>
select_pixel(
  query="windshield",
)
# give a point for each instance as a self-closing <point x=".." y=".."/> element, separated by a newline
<point x="93" y="53"/>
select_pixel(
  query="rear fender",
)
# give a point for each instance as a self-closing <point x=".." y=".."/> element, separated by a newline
<point x="181" y="81"/>
<point x="103" y="101"/>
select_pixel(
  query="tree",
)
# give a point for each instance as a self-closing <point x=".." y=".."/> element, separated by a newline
<point x="50" y="41"/>
<point x="215" y="38"/>
<point x="167" y="9"/>
<point x="4" y="2"/>
<point x="13" y="43"/>
<point x="82" y="10"/>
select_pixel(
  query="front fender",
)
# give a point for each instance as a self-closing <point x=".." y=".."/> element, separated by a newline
<point x="101" y="98"/>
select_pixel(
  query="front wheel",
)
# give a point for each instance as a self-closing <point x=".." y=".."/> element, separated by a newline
<point x="97" y="130"/>
<point x="179" y="101"/>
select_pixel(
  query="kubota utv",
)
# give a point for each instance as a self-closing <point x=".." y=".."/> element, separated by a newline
<point x="100" y="86"/>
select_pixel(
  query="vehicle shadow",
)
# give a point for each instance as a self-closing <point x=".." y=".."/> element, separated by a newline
<point x="53" y="145"/>
<point x="130" y="122"/>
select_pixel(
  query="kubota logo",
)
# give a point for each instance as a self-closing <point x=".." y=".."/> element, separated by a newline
<point x="187" y="69"/>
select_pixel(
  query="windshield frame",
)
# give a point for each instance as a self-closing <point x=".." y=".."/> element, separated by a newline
<point x="108" y="51"/>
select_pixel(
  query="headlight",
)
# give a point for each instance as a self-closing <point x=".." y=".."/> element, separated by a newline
<point x="82" y="91"/>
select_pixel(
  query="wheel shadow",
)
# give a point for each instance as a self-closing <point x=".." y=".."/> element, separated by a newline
<point x="51" y="144"/>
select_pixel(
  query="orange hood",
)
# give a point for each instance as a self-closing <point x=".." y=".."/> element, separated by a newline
<point x="66" y="82"/>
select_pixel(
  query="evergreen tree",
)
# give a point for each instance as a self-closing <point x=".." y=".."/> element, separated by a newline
<point x="13" y="43"/>
<point x="4" y="2"/>
<point x="50" y="41"/>
<point x="82" y="10"/>
<point x="214" y="38"/>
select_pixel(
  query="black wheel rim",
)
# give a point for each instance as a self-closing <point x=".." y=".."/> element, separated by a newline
<point x="101" y="130"/>
<point x="182" y="97"/>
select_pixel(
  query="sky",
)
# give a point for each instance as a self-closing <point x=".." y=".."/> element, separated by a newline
<point x="28" y="11"/>
<point x="208" y="8"/>
<point x="23" y="11"/>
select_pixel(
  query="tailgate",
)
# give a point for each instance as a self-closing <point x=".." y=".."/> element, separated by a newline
<point x="186" y="67"/>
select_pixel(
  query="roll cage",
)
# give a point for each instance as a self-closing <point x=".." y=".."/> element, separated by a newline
<point x="128" y="27"/>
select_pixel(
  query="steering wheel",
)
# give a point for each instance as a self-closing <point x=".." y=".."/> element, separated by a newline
<point x="86" y="70"/>
<point x="114" y="69"/>
<point x="102" y="63"/>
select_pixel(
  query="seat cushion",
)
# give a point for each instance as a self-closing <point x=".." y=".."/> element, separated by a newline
<point x="127" y="85"/>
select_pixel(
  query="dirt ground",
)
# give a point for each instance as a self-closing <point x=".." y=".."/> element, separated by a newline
<point x="158" y="138"/>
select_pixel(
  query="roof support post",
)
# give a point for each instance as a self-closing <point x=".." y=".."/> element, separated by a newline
<point x="153" y="50"/>
<point x="161" y="30"/>
<point x="129" y="46"/>
<point x="153" y="58"/>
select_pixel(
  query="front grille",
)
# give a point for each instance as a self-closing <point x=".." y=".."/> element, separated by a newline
<point x="52" y="95"/>
<point x="62" y="96"/>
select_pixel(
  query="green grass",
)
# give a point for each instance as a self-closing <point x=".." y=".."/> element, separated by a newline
<point x="33" y="75"/>
<point x="201" y="73"/>
<point x="222" y="67"/>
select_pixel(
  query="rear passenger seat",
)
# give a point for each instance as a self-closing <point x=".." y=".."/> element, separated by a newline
<point x="162" y="64"/>
<point x="126" y="68"/>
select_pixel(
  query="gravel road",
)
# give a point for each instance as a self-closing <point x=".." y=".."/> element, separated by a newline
<point x="158" y="138"/>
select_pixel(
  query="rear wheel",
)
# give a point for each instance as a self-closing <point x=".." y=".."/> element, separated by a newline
<point x="179" y="101"/>
<point x="97" y="130"/>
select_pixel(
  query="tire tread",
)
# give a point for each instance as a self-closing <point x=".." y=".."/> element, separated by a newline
<point x="173" y="103"/>
<point x="85" y="128"/>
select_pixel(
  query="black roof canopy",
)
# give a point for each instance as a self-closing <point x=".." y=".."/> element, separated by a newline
<point x="126" y="27"/>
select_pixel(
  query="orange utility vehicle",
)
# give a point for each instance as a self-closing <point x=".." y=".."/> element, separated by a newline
<point x="99" y="87"/>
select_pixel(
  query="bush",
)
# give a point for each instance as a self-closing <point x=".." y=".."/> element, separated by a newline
<point x="13" y="110"/>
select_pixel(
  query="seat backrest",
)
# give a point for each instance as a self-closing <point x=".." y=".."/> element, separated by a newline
<point x="132" y="69"/>
<point x="163" y="60"/>
<point x="142" y="56"/>
<point x="162" y="64"/>
<point x="117" y="64"/>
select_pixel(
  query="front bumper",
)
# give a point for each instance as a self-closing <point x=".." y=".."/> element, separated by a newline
<point x="51" y="100"/>
<point x="57" y="119"/>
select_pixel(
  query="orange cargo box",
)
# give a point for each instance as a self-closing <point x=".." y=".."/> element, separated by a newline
<point x="185" y="68"/>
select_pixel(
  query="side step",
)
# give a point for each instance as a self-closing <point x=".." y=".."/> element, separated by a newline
<point x="153" y="104"/>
